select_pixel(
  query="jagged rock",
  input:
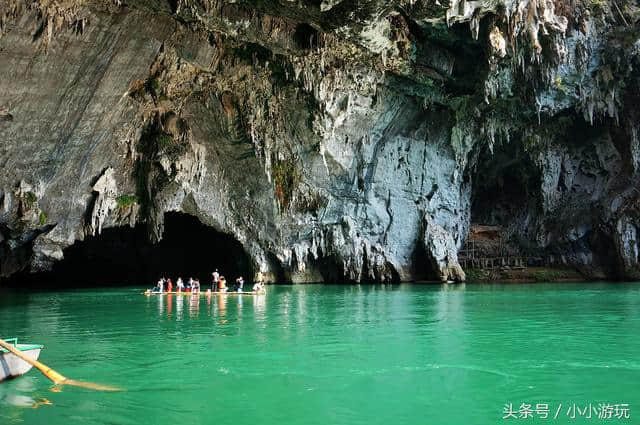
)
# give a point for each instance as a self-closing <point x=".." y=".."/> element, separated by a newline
<point x="106" y="190"/>
<point x="321" y="134"/>
<point x="442" y="252"/>
<point x="328" y="4"/>
<point x="497" y="43"/>
<point x="627" y="241"/>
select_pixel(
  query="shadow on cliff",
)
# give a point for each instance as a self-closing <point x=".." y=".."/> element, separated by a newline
<point x="125" y="256"/>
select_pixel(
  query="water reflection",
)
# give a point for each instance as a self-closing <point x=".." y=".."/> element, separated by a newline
<point x="284" y="310"/>
<point x="194" y="305"/>
<point x="259" y="306"/>
<point x="218" y="307"/>
<point x="22" y="396"/>
<point x="179" y="306"/>
<point x="222" y="307"/>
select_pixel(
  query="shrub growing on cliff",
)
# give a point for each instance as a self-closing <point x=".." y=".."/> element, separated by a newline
<point x="42" y="218"/>
<point x="30" y="198"/>
<point x="27" y="201"/>
<point x="125" y="201"/>
<point x="153" y="85"/>
<point x="163" y="141"/>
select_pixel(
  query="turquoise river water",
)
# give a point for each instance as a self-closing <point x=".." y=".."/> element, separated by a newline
<point x="394" y="354"/>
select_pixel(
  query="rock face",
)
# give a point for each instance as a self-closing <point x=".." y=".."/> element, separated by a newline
<point x="335" y="140"/>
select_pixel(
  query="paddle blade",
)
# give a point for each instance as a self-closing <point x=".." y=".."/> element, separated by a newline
<point x="89" y="385"/>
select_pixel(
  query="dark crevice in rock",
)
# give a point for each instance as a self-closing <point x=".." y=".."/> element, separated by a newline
<point x="173" y="4"/>
<point x="330" y="268"/>
<point x="306" y="37"/>
<point x="452" y="55"/>
<point x="275" y="266"/>
<point x="422" y="267"/>
<point x="157" y="141"/>
<point x="604" y="246"/>
<point x="16" y="248"/>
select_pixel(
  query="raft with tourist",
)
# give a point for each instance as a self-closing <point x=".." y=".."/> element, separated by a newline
<point x="218" y="287"/>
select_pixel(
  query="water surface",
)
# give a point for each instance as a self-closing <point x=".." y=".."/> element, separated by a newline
<point x="401" y="354"/>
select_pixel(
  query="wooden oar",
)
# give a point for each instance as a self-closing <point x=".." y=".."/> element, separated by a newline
<point x="54" y="376"/>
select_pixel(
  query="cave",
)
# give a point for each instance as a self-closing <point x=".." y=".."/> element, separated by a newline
<point x="123" y="256"/>
<point x="306" y="37"/>
<point x="505" y="185"/>
<point x="423" y="268"/>
<point x="505" y="202"/>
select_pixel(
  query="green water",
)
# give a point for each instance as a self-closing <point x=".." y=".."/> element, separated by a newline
<point x="329" y="355"/>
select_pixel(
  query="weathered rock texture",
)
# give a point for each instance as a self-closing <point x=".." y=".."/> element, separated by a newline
<point x="333" y="139"/>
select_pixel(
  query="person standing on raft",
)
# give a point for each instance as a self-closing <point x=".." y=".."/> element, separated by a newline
<point x="180" y="285"/>
<point x="216" y="277"/>
<point x="169" y="285"/>
<point x="240" y="282"/>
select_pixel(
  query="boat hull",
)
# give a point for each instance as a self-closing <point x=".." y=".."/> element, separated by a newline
<point x="12" y="366"/>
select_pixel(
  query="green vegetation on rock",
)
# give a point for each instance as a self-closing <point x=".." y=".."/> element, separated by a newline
<point x="125" y="201"/>
<point x="30" y="198"/>
<point x="286" y="177"/>
<point x="560" y="85"/>
<point x="476" y="274"/>
<point x="548" y="275"/>
<point x="153" y="85"/>
<point x="163" y="141"/>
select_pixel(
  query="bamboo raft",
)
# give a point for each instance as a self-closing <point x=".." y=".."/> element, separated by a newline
<point x="204" y="293"/>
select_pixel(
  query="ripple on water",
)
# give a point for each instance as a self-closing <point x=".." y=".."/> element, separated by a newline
<point x="325" y="354"/>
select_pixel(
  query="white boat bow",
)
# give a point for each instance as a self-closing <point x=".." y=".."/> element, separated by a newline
<point x="11" y="365"/>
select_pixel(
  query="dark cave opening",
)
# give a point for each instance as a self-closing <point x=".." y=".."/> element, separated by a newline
<point x="173" y="5"/>
<point x="306" y="37"/>
<point x="125" y="256"/>
<point x="505" y="185"/>
<point x="505" y="203"/>
<point x="453" y="54"/>
<point x="423" y="268"/>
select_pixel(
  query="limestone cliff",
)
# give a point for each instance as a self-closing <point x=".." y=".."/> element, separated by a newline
<point x="334" y="139"/>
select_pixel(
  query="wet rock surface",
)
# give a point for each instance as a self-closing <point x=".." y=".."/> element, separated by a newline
<point x="333" y="140"/>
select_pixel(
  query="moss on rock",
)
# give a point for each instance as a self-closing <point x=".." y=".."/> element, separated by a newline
<point x="125" y="201"/>
<point x="286" y="177"/>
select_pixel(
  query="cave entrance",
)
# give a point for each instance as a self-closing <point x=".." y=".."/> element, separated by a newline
<point x="505" y="186"/>
<point x="504" y="199"/>
<point x="423" y="269"/>
<point x="306" y="37"/>
<point x="125" y="256"/>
